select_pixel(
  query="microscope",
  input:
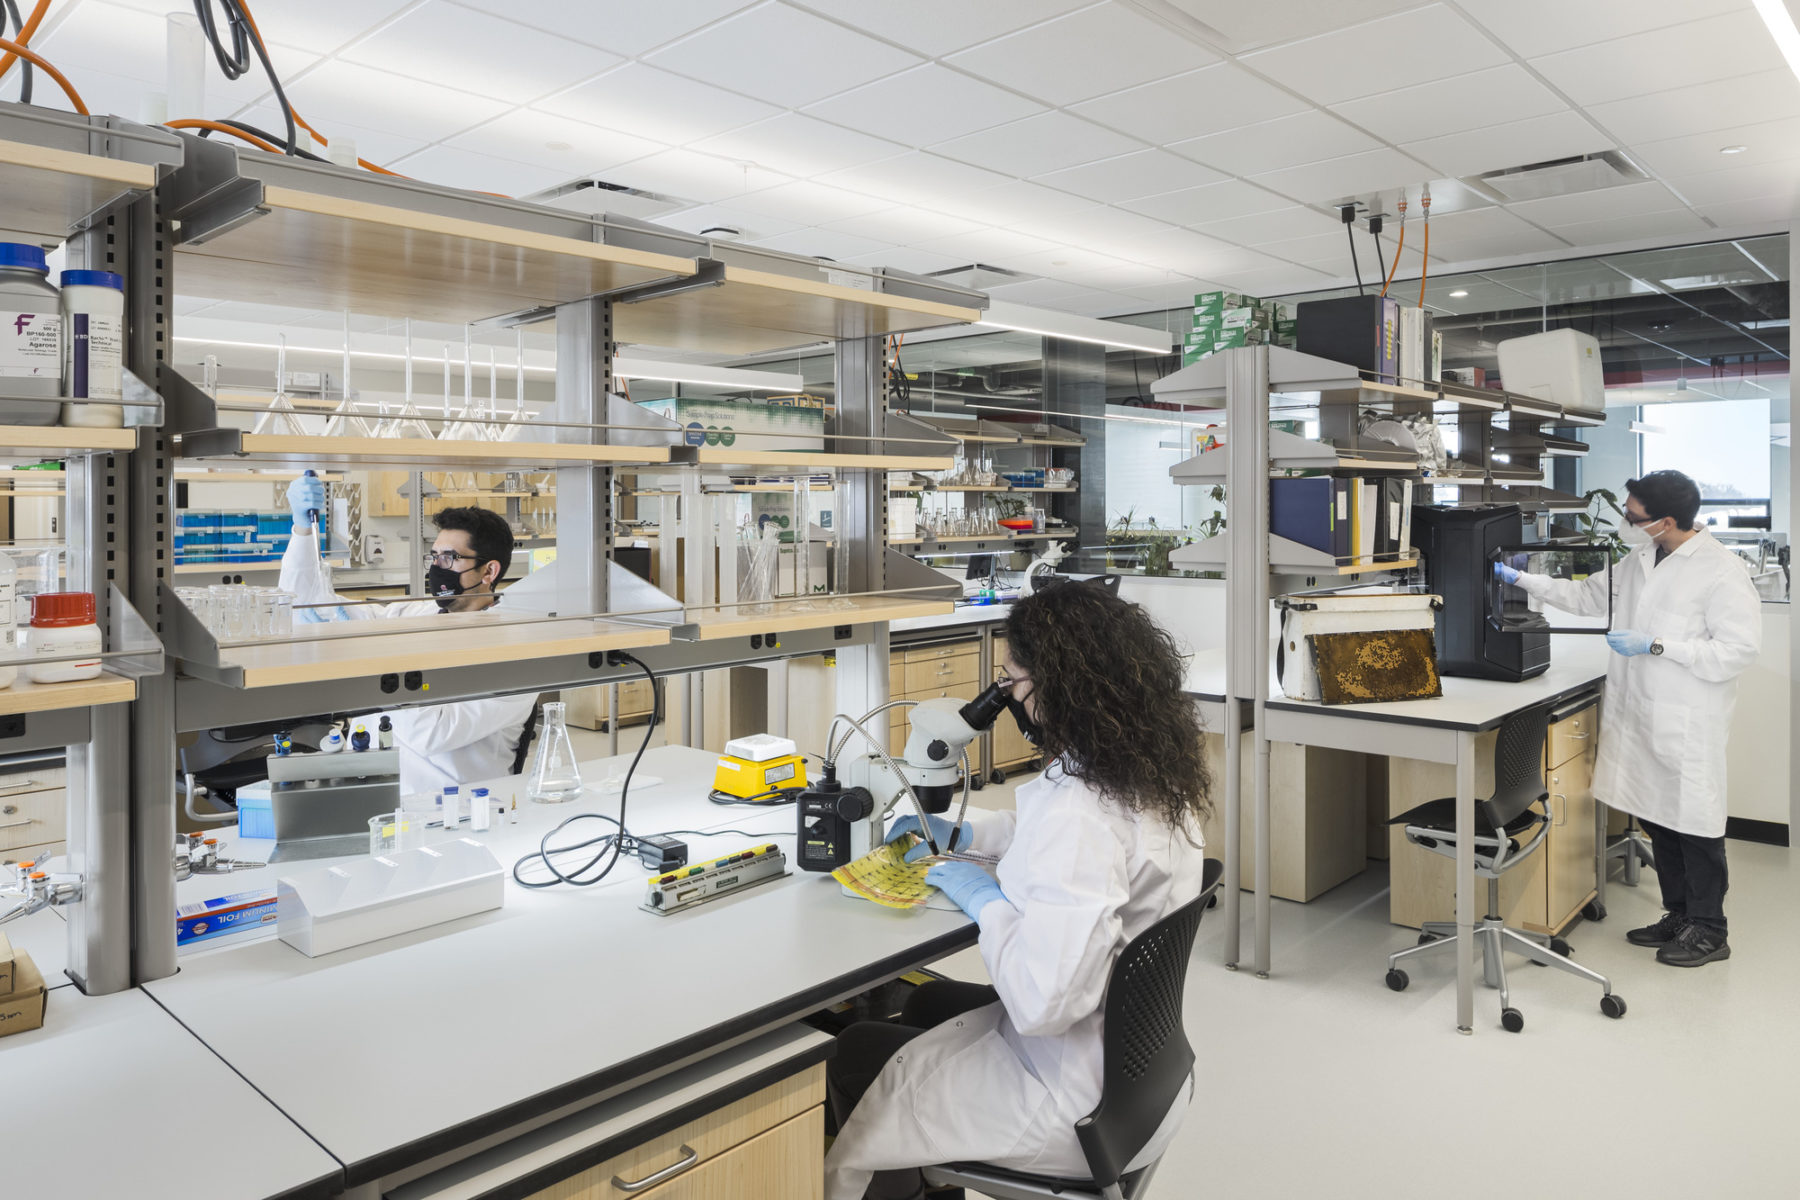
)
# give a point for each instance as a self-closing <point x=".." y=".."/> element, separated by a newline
<point x="926" y="772"/>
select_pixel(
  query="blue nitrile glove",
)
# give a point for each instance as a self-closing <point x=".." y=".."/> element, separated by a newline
<point x="306" y="494"/>
<point x="941" y="830"/>
<point x="1629" y="642"/>
<point x="1506" y="573"/>
<point x="971" y="888"/>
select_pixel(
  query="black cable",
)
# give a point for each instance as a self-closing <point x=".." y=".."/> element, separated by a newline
<point x="266" y="136"/>
<point x="773" y="798"/>
<point x="613" y="842"/>
<point x="1350" y="232"/>
<point x="12" y="11"/>
<point x="235" y="63"/>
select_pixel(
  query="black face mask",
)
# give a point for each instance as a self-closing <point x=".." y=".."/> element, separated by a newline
<point x="1034" y="733"/>
<point x="445" y="583"/>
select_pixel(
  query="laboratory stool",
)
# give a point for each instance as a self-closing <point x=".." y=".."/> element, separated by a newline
<point x="1633" y="847"/>
<point x="1146" y="1064"/>
<point x="1518" y="809"/>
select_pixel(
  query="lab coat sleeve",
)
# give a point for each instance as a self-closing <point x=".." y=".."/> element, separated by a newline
<point x="444" y="727"/>
<point x="993" y="832"/>
<point x="1047" y="948"/>
<point x="1733" y="637"/>
<point x="305" y="576"/>
<point x="1584" y="598"/>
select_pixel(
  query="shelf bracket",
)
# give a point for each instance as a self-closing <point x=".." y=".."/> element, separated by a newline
<point x="206" y="196"/>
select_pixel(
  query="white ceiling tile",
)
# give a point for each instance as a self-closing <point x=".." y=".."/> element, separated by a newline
<point x="1753" y="182"/>
<point x="1702" y="108"/>
<point x="1102" y="229"/>
<point x="1085" y="54"/>
<point x="477" y="172"/>
<point x="317" y="25"/>
<point x="904" y="225"/>
<point x="1047" y="142"/>
<point x="1174" y="294"/>
<point x="994" y="246"/>
<point x="781" y="54"/>
<point x="1452" y="105"/>
<point x="1196" y="254"/>
<point x="1676" y="223"/>
<point x="545" y="140"/>
<point x="1514" y="144"/>
<point x="1307" y="137"/>
<point x="1276" y="225"/>
<point x="938" y="27"/>
<point x="1190" y="105"/>
<point x="1283" y="280"/>
<point x="821" y="243"/>
<point x="809" y="203"/>
<point x="1628" y="201"/>
<point x="1765" y="142"/>
<point x="1143" y="173"/>
<point x="924" y="106"/>
<point x="1721" y="47"/>
<point x="1045" y="293"/>
<point x="233" y="96"/>
<point x="1535" y="27"/>
<point x="1331" y="252"/>
<point x="657" y="105"/>
<point x="1329" y="182"/>
<point x="1060" y="261"/>
<point x="1216" y="202"/>
<point x="1011" y="201"/>
<point x="1099" y="303"/>
<point x="376" y="145"/>
<point x="913" y="259"/>
<point x="102" y="91"/>
<point x="799" y="145"/>
<point x="915" y="178"/>
<point x="447" y="44"/>
<point x="1775" y="213"/>
<point x="1483" y="234"/>
<point x="1398" y="51"/>
<point x="694" y="176"/>
<point x="629" y="27"/>
<point x="1240" y="27"/>
<point x="750" y="226"/>
<point x="356" y="95"/>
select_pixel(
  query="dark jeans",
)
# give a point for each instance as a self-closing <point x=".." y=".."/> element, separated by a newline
<point x="1692" y="873"/>
<point x="865" y="1048"/>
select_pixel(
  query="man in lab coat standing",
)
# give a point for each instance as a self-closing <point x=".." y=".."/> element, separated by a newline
<point x="439" y="744"/>
<point x="1686" y="622"/>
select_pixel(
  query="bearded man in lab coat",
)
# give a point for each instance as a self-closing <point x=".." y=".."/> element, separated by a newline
<point x="439" y="744"/>
<point x="1686" y="622"/>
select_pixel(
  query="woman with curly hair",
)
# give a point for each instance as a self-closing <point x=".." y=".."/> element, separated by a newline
<point x="1104" y="844"/>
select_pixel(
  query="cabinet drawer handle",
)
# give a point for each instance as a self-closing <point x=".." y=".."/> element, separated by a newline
<point x="1578" y="737"/>
<point x="13" y="789"/>
<point x="690" y="1156"/>
<point x="1563" y="818"/>
<point x="18" y="824"/>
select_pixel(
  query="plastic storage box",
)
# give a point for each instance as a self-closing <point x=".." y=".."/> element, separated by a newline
<point x="1358" y="611"/>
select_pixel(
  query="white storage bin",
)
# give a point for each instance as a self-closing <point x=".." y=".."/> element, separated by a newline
<point x="1369" y="610"/>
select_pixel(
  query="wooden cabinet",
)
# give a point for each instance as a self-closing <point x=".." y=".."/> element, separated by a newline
<point x="1317" y="823"/>
<point x="34" y="809"/>
<point x="1010" y="746"/>
<point x="587" y="707"/>
<point x="767" y="1146"/>
<point x="941" y="669"/>
<point x="1541" y="895"/>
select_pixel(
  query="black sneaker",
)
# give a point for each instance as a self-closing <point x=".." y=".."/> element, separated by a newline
<point x="1659" y="934"/>
<point x="1695" y="946"/>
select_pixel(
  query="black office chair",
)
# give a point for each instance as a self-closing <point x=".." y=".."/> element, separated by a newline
<point x="522" y="752"/>
<point x="1519" y="808"/>
<point x="1146" y="1062"/>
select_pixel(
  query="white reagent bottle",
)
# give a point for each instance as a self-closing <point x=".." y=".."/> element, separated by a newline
<point x="93" y="311"/>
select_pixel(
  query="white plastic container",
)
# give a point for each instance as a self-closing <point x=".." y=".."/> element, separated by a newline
<point x="62" y="624"/>
<point x="93" y="311"/>
<point x="1560" y="365"/>
<point x="9" y="581"/>
<point x="30" y="337"/>
<point x="1364" y="611"/>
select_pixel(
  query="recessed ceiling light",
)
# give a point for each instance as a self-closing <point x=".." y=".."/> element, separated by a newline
<point x="1732" y="149"/>
<point x="1059" y="262"/>
<point x="558" y="146"/>
<point x="1457" y="295"/>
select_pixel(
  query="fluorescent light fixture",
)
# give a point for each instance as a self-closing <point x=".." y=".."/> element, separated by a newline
<point x="1045" y="322"/>
<point x="1458" y="295"/>
<point x="1640" y="428"/>
<point x="338" y="352"/>
<point x="1732" y="149"/>
<point x="1781" y="25"/>
<point x="705" y="376"/>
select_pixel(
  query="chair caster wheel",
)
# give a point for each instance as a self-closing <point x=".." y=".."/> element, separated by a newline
<point x="1558" y="946"/>
<point x="997" y="776"/>
<point x="1612" y="1006"/>
<point x="1212" y="901"/>
<point x="1396" y="979"/>
<point x="976" y="783"/>
<point x="1424" y="938"/>
<point x="1593" y="910"/>
<point x="1512" y="1020"/>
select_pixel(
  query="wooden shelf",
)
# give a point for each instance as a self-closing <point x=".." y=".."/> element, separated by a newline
<point x="1291" y="452"/>
<point x="48" y="441"/>
<point x="348" y="649"/>
<point x="979" y="488"/>
<point x="966" y="538"/>
<point x="750" y="311"/>
<point x="819" y="612"/>
<point x="27" y="697"/>
<point x="311" y="250"/>
<point x="816" y="460"/>
<point x="401" y="453"/>
<point x="49" y="191"/>
<point x="1285" y="558"/>
<point x="205" y="476"/>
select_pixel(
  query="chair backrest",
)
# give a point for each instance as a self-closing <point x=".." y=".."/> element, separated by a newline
<point x="522" y="753"/>
<point x="1518" y="765"/>
<point x="1146" y="1059"/>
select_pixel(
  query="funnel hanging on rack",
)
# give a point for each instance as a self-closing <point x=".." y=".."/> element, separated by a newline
<point x="345" y="420"/>
<point x="515" y="431"/>
<point x="410" y="423"/>
<point x="280" y="419"/>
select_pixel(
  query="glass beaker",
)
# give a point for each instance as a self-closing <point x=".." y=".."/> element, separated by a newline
<point x="554" y="777"/>
<point x="283" y="625"/>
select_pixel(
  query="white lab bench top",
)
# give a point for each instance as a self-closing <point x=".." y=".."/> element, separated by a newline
<point x="394" y="1052"/>
<point x="966" y="615"/>
<point x="45" y="936"/>
<point x="112" y="1097"/>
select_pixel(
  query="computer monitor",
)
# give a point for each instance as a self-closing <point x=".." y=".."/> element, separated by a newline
<point x="980" y="566"/>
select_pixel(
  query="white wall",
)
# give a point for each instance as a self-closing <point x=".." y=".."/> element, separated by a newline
<point x="1757" y="757"/>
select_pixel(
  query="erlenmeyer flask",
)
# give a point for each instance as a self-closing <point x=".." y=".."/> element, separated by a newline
<point x="554" y="777"/>
<point x="280" y="419"/>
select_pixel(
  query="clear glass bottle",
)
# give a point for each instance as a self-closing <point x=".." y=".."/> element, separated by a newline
<point x="554" y="777"/>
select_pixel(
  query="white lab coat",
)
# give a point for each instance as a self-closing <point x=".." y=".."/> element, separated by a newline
<point x="1005" y="1084"/>
<point x="1668" y="716"/>
<point x="439" y="744"/>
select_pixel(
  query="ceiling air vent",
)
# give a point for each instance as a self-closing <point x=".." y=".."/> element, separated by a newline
<point x="591" y="197"/>
<point x="980" y="277"/>
<point x="1561" y="177"/>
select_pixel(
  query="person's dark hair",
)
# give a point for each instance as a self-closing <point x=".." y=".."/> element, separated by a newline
<point x="488" y="532"/>
<point x="1667" y="494"/>
<point x="1108" y="682"/>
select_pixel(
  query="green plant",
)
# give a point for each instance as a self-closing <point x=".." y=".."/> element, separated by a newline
<point x="1009" y="506"/>
<point x="1600" y="529"/>
<point x="1214" y="525"/>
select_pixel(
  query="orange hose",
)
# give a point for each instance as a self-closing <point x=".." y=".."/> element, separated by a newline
<point x="25" y="35"/>
<point x="216" y="127"/>
<point x="1388" y="282"/>
<point x="37" y="60"/>
<point x="1425" y="264"/>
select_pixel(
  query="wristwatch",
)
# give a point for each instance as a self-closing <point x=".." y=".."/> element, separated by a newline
<point x="1656" y="646"/>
